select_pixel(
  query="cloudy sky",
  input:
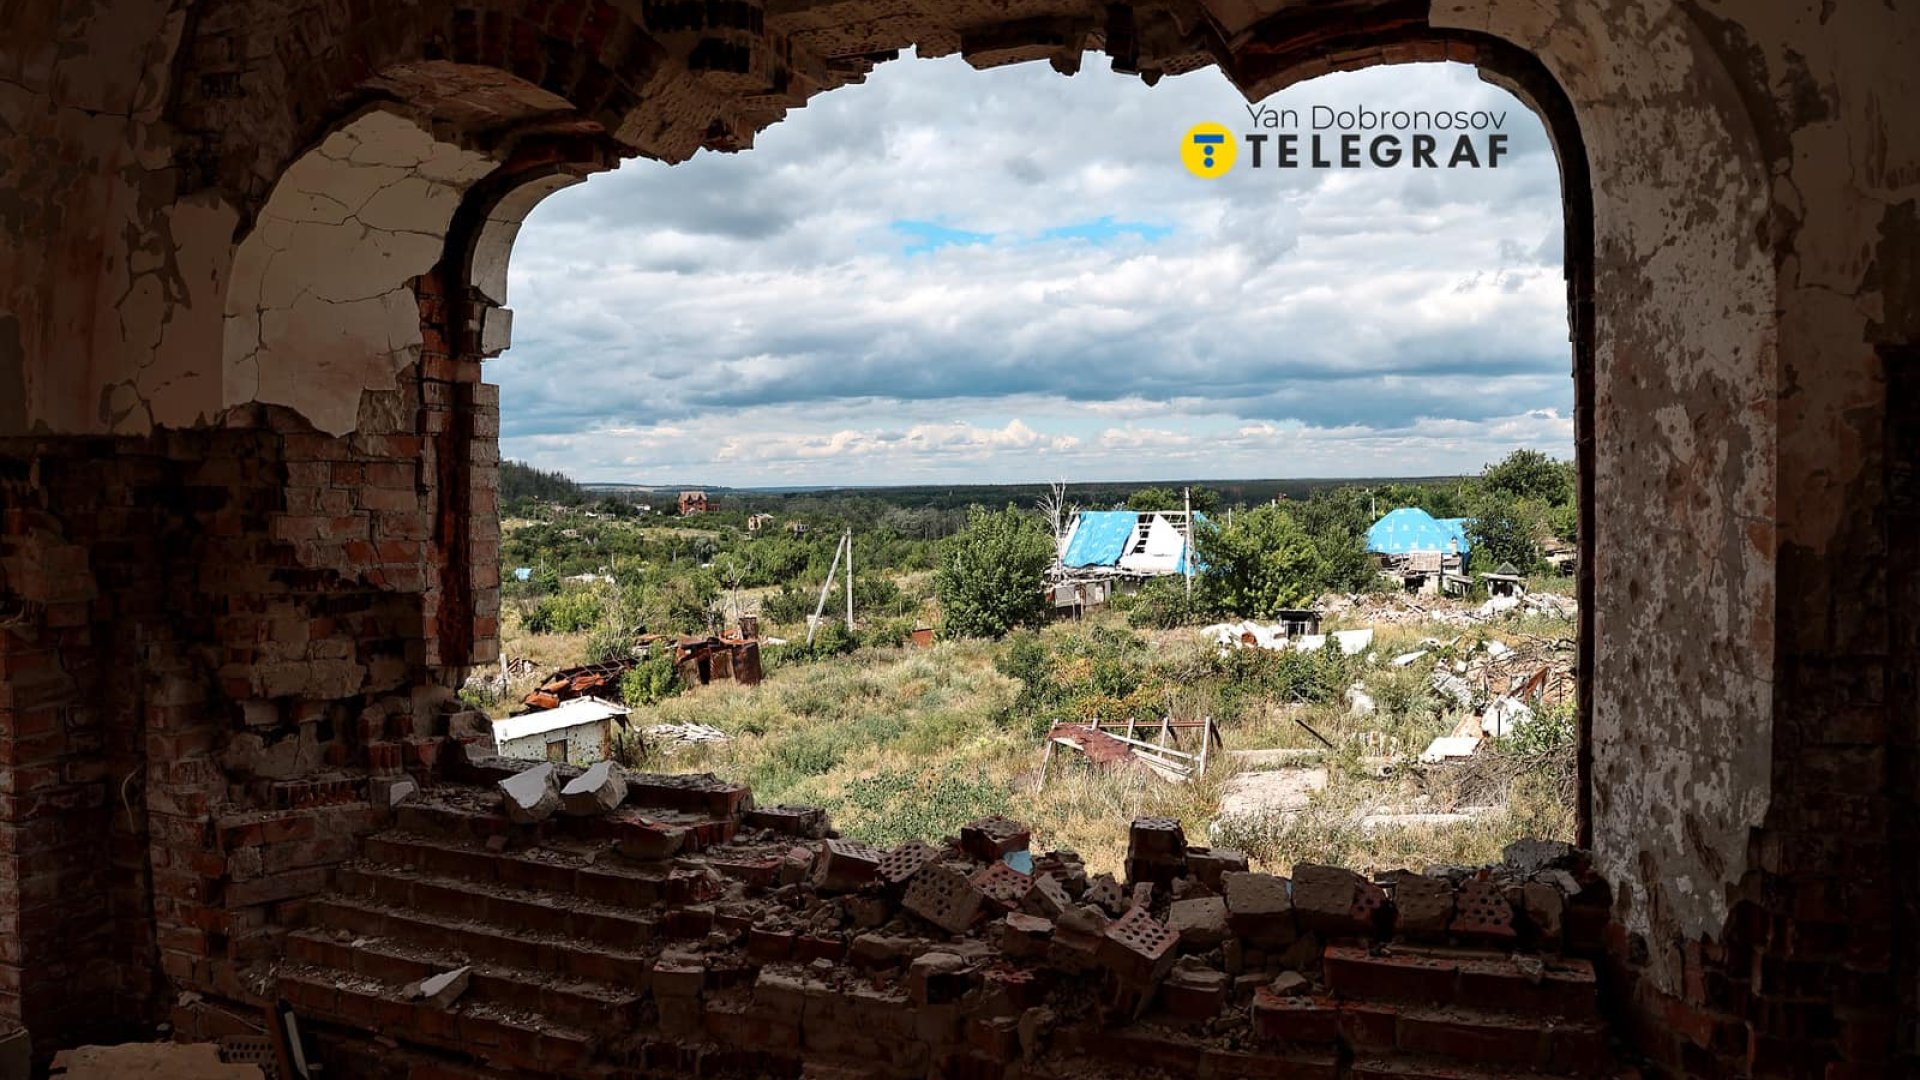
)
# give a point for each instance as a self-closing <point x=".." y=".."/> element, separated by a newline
<point x="956" y="276"/>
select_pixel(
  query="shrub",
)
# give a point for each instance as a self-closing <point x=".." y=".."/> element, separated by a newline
<point x="569" y="612"/>
<point x="790" y="605"/>
<point x="887" y="634"/>
<point x="651" y="681"/>
<point x="991" y="572"/>
<point x="609" y="641"/>
<point x="1260" y="564"/>
<point x="1162" y="604"/>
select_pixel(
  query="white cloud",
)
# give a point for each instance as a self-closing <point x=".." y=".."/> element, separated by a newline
<point x="768" y="318"/>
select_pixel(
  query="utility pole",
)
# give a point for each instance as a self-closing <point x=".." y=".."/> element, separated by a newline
<point x="826" y="588"/>
<point x="849" y="579"/>
<point x="1187" y="561"/>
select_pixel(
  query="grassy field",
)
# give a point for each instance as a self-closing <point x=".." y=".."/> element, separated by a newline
<point x="899" y="743"/>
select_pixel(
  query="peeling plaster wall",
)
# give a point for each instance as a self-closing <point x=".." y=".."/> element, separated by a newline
<point x="321" y="309"/>
<point x="1684" y="460"/>
<point x="108" y="282"/>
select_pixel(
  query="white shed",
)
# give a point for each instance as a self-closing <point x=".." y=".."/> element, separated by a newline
<point x="578" y="732"/>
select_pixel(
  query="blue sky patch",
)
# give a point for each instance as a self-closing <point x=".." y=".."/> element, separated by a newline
<point x="1105" y="229"/>
<point x="927" y="236"/>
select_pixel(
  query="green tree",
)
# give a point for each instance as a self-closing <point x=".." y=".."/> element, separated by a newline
<point x="1502" y="530"/>
<point x="1257" y="566"/>
<point x="1155" y="500"/>
<point x="1530" y="474"/>
<point x="991" y="573"/>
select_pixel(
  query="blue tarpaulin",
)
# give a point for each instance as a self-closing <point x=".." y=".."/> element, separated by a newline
<point x="1410" y="529"/>
<point x="1100" y="538"/>
<point x="1458" y="528"/>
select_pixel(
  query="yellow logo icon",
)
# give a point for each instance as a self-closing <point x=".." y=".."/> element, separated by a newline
<point x="1207" y="150"/>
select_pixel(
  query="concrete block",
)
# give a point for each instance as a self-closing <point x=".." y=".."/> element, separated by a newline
<point x="532" y="795"/>
<point x="1137" y="948"/>
<point x="844" y="865"/>
<point x="1423" y="905"/>
<point x="599" y="790"/>
<point x="1023" y="935"/>
<point x="1325" y="898"/>
<point x="1259" y="907"/>
<point x="1003" y="887"/>
<point x="1201" y="923"/>
<point x="989" y="838"/>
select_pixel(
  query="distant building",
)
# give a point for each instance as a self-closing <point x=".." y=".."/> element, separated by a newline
<point x="757" y="522"/>
<point x="693" y="502"/>
<point x="1423" y="553"/>
<point x="1506" y="581"/>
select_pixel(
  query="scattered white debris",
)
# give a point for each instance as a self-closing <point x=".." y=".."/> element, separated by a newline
<point x="1449" y="746"/>
<point x="1453" y="686"/>
<point x="1496" y="605"/>
<point x="1503" y="715"/>
<point x="389" y="792"/>
<point x="1273" y="636"/>
<point x="687" y="733"/>
<point x="1406" y="658"/>
<point x="1354" y="642"/>
<point x="1359" y="702"/>
<point x="445" y="988"/>
<point x="1259" y="635"/>
<point x="1497" y="649"/>
<point x="1373" y="822"/>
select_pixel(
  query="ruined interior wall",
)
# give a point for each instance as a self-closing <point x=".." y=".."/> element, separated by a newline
<point x="1747" y="722"/>
<point x="108" y="284"/>
<point x="320" y="308"/>
<point x="1683" y="462"/>
<point x="211" y="642"/>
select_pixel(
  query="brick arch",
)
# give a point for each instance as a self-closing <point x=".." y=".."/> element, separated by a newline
<point x="248" y="125"/>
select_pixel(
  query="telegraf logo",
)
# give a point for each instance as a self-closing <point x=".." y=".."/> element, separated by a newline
<point x="1325" y="137"/>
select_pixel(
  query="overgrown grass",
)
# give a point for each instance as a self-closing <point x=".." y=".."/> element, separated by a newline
<point x="899" y="743"/>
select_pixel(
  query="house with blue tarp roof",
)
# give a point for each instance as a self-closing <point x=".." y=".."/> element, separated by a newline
<point x="1108" y="549"/>
<point x="1424" y="553"/>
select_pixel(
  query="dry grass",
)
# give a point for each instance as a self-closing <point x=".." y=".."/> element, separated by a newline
<point x="897" y="743"/>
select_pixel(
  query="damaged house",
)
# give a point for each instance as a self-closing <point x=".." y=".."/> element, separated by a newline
<point x="1108" y="550"/>
<point x="1422" y="553"/>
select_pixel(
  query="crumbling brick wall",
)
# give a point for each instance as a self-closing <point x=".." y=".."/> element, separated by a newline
<point x="211" y="639"/>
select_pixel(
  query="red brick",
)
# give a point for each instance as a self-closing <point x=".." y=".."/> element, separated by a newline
<point x="1482" y="1040"/>
<point x="1294" y="1019"/>
<point x="1352" y="973"/>
<point x="1369" y="1025"/>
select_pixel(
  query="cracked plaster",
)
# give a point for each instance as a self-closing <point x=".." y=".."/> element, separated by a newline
<point x="321" y="307"/>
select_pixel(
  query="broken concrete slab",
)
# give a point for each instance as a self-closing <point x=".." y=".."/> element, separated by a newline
<point x="1259" y="907"/>
<point x="443" y="989"/>
<point x="1200" y="922"/>
<point x="599" y="790"/>
<point x="388" y="792"/>
<point x="532" y="795"/>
